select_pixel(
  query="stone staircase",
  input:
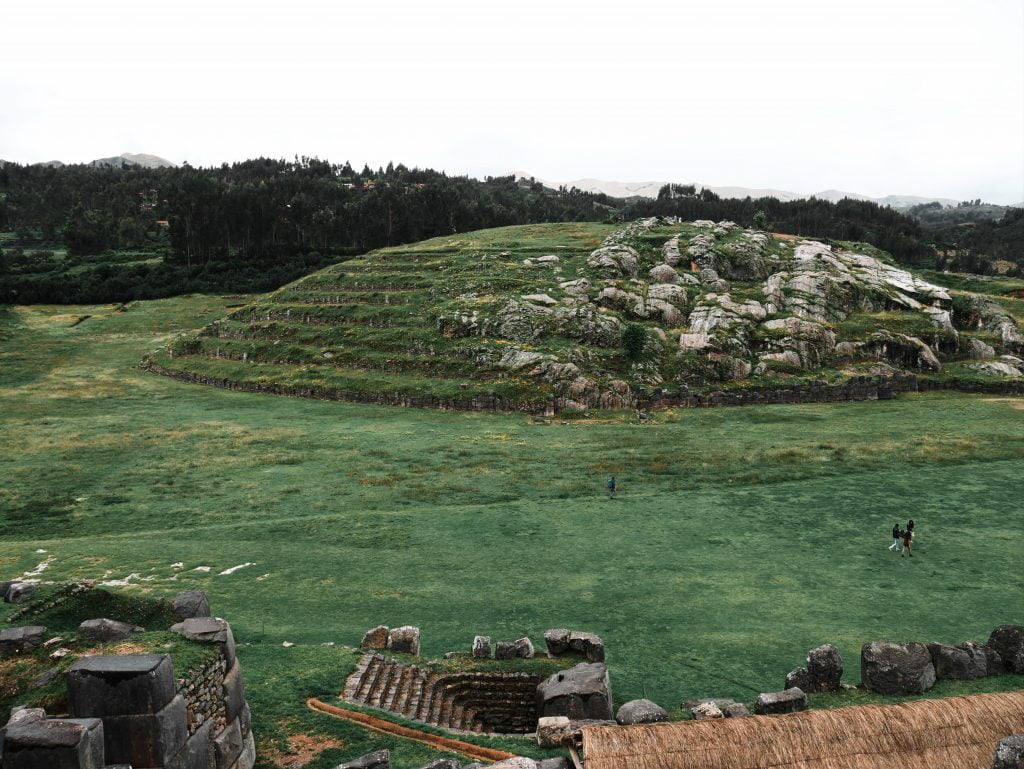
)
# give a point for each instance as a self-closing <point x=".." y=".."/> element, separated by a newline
<point x="483" y="703"/>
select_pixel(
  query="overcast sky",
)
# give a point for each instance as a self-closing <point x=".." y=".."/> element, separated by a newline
<point x="872" y="96"/>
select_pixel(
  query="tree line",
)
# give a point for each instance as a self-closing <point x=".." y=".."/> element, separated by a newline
<point x="133" y="233"/>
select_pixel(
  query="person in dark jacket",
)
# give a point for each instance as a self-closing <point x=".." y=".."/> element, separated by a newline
<point x="611" y="487"/>
<point x="897" y="535"/>
<point x="908" y="539"/>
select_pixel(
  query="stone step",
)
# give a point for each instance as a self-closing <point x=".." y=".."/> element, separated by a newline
<point x="415" y="694"/>
<point x="353" y="681"/>
<point x="380" y="686"/>
<point x="369" y="679"/>
<point x="388" y="700"/>
<point x="396" y="702"/>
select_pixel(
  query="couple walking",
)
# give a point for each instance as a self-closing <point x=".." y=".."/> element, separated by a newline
<point x="904" y="537"/>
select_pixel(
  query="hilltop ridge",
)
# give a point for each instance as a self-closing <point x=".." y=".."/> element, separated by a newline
<point x="590" y="314"/>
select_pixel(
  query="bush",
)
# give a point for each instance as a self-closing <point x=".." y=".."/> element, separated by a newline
<point x="634" y="338"/>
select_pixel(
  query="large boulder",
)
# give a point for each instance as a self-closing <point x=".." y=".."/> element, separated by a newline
<point x="706" y="711"/>
<point x="963" y="661"/>
<point x="641" y="712"/>
<point x="892" y="668"/>
<point x="52" y="743"/>
<point x="18" y="640"/>
<point x="104" y="630"/>
<point x="375" y="639"/>
<point x="482" y="647"/>
<point x="1008" y="641"/>
<point x="191" y="603"/>
<point x="615" y="260"/>
<point x="825" y="668"/>
<point x="19" y="592"/>
<point x="799" y="678"/>
<point x="787" y="701"/>
<point x="120" y="685"/>
<point x="1009" y="753"/>
<point x="404" y="639"/>
<point x="581" y="692"/>
<point x="380" y="759"/>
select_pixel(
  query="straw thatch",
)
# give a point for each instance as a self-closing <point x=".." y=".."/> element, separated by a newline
<point x="956" y="733"/>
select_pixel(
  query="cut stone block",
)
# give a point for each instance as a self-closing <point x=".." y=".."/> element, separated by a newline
<point x="18" y="640"/>
<point x="209" y="630"/>
<point x="404" y="639"/>
<point x="248" y="758"/>
<point x="55" y="743"/>
<point x="191" y="604"/>
<point x="788" y="701"/>
<point x="197" y="752"/>
<point x="120" y="685"/>
<point x="227" y="745"/>
<point x="19" y="592"/>
<point x="147" y="740"/>
<point x="581" y="692"/>
<point x="375" y="639"/>
<point x="552" y="731"/>
<point x="104" y="630"/>
<point x="234" y="692"/>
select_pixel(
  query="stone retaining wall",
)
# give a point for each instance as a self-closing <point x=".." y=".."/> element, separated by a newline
<point x="855" y="389"/>
<point x="203" y="690"/>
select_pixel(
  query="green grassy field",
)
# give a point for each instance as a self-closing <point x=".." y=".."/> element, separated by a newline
<point x="740" y="539"/>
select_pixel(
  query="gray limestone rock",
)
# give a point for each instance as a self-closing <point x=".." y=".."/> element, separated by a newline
<point x="640" y="712"/>
<point x="523" y="648"/>
<point x="482" y="647"/>
<point x="191" y="603"/>
<point x="554" y="763"/>
<point x="892" y="668"/>
<point x="18" y="640"/>
<point x="404" y="639"/>
<point x="150" y="739"/>
<point x="615" y="260"/>
<point x="375" y="638"/>
<point x="1008" y="642"/>
<point x="557" y="641"/>
<point x="706" y="711"/>
<point x="799" y="678"/>
<point x="963" y="661"/>
<point x="55" y="743"/>
<point x="788" y="701"/>
<point x="19" y="592"/>
<point x="692" y="702"/>
<point x="505" y="650"/>
<point x="583" y="691"/>
<point x="103" y="630"/>
<point x="443" y="763"/>
<point x="552" y="731"/>
<point x="228" y="744"/>
<point x="1009" y="753"/>
<point x="209" y="630"/>
<point x="380" y="759"/>
<point x="120" y="685"/>
<point x="515" y="763"/>
<point x="735" y="710"/>
<point x="825" y="667"/>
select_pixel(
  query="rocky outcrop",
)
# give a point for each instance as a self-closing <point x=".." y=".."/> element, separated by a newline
<point x="615" y="260"/>
<point x="583" y="691"/>
<point x="892" y="668"/>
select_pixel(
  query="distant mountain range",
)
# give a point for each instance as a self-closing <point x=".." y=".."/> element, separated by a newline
<point x="120" y="161"/>
<point x="650" y="190"/>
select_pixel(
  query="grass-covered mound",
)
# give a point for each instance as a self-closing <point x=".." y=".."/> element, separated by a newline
<point x="589" y="314"/>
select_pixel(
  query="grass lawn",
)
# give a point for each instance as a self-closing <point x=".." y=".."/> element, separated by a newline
<point x="740" y="539"/>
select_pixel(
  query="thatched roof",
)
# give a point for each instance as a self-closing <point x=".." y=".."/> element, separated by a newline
<point x="956" y="733"/>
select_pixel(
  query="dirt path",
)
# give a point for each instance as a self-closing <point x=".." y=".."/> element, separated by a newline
<point x="476" y="752"/>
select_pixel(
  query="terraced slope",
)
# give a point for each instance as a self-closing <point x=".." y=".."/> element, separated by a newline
<point x="571" y="316"/>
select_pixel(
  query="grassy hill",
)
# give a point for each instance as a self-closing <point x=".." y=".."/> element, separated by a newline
<point x="741" y="538"/>
<point x="590" y="314"/>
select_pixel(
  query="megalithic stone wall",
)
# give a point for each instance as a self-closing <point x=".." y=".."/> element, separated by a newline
<point x="129" y="710"/>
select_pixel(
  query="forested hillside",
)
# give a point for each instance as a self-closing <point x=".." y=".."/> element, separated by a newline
<point x="97" y="234"/>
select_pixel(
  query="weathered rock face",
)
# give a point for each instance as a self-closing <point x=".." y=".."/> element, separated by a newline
<point x="482" y="647"/>
<point x="586" y="322"/>
<point x="18" y="640"/>
<point x="615" y="260"/>
<point x="1008" y="641"/>
<point x="641" y="712"/>
<point x="825" y="668"/>
<point x="998" y="368"/>
<point x="963" y="661"/>
<point x="561" y="640"/>
<point x="1009" y="753"/>
<point x="788" y="701"/>
<point x="583" y="691"/>
<point x="579" y="287"/>
<point x="892" y="668"/>
<point x="663" y="273"/>
<point x="103" y="630"/>
<point x="380" y="759"/>
<point x="404" y="639"/>
<point x="191" y="603"/>
<point x="375" y="638"/>
<point x="799" y="678"/>
<point x="670" y="252"/>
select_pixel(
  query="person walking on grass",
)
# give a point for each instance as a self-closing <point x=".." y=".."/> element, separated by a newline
<point x="908" y="538"/>
<point x="611" y="487"/>
<point x="896" y="536"/>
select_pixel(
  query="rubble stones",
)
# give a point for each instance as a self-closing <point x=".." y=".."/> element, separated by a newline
<point x="1008" y="642"/>
<point x="191" y="603"/>
<point x="892" y="668"/>
<point x="482" y="647"/>
<point x="583" y="691"/>
<point x="788" y="701"/>
<point x="375" y="639"/>
<point x="518" y="762"/>
<point x="18" y="640"/>
<point x="103" y="630"/>
<point x="640" y="712"/>
<point x="552" y="731"/>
